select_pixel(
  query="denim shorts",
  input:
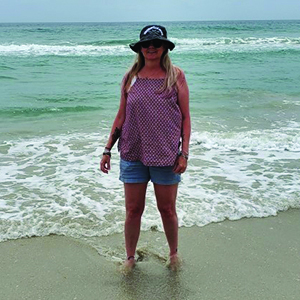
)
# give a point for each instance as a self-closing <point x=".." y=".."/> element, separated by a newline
<point x="137" y="172"/>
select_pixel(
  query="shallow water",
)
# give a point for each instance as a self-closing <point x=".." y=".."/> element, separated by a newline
<point x="59" y="88"/>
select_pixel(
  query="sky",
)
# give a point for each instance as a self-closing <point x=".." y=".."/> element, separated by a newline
<point x="143" y="10"/>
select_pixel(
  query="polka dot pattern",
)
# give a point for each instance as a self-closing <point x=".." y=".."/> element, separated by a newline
<point x="152" y="128"/>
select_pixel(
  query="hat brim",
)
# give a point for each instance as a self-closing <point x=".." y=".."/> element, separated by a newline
<point x="136" y="46"/>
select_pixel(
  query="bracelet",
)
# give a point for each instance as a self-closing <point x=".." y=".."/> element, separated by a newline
<point x="107" y="152"/>
<point x="185" y="155"/>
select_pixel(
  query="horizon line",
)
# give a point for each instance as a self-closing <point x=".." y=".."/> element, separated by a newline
<point x="228" y="20"/>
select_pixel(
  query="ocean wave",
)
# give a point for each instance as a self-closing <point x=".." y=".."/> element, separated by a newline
<point x="40" y="29"/>
<point x="292" y="102"/>
<point x="53" y="184"/>
<point x="280" y="141"/>
<point x="63" y="50"/>
<point x="120" y="47"/>
<point x="246" y="44"/>
<point x="115" y="42"/>
<point x="7" y="78"/>
<point x="6" y="68"/>
<point x="34" y="112"/>
<point x="238" y="41"/>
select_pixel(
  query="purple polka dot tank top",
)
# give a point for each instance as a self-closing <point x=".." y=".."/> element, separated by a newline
<point x="152" y="128"/>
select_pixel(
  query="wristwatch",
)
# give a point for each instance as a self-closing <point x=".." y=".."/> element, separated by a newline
<point x="107" y="152"/>
<point x="184" y="154"/>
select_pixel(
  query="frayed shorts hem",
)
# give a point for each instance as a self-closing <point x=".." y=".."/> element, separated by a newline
<point x="137" y="172"/>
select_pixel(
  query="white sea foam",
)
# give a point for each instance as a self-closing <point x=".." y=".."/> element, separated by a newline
<point x="293" y="102"/>
<point x="53" y="185"/>
<point x="238" y="41"/>
<point x="221" y="44"/>
<point x="63" y="50"/>
<point x="237" y="44"/>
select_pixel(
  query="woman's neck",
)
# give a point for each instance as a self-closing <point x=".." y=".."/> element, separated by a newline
<point x="152" y="70"/>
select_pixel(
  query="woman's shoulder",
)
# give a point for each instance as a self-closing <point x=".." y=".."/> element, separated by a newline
<point x="180" y="75"/>
<point x="177" y="69"/>
<point x="125" y="76"/>
<point x="125" y="79"/>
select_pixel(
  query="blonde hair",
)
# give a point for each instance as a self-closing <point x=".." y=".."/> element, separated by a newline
<point x="166" y="64"/>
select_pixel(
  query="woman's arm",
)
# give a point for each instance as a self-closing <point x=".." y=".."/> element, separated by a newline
<point x="115" y="131"/>
<point x="183" y="102"/>
<point x="117" y="125"/>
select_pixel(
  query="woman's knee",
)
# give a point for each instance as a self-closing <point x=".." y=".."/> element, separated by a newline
<point x="133" y="211"/>
<point x="167" y="211"/>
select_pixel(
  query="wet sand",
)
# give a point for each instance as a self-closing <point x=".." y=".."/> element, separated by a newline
<point x="245" y="259"/>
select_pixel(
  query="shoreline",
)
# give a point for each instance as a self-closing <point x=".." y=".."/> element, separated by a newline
<point x="255" y="258"/>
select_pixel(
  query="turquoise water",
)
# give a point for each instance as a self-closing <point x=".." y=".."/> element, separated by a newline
<point x="59" y="93"/>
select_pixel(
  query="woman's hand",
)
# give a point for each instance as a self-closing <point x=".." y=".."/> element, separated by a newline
<point x="105" y="164"/>
<point x="180" y="165"/>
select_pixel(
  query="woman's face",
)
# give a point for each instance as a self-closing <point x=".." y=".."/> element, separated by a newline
<point x="153" y="50"/>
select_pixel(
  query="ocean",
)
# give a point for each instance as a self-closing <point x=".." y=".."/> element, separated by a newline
<point x="59" y="94"/>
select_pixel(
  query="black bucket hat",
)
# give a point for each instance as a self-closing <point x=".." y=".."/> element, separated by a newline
<point x="152" y="32"/>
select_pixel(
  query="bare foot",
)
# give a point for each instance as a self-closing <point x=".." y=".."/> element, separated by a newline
<point x="128" y="265"/>
<point x="174" y="262"/>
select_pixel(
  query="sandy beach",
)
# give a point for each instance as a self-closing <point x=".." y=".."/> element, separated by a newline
<point x="60" y="85"/>
<point x="245" y="259"/>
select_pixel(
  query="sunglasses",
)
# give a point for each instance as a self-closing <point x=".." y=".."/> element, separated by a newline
<point x="154" y="43"/>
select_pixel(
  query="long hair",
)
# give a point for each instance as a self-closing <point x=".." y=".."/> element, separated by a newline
<point x="166" y="65"/>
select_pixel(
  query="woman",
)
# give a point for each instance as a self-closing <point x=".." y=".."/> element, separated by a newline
<point x="153" y="124"/>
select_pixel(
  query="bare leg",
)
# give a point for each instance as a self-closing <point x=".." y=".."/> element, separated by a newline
<point x="134" y="202"/>
<point x="166" y="203"/>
